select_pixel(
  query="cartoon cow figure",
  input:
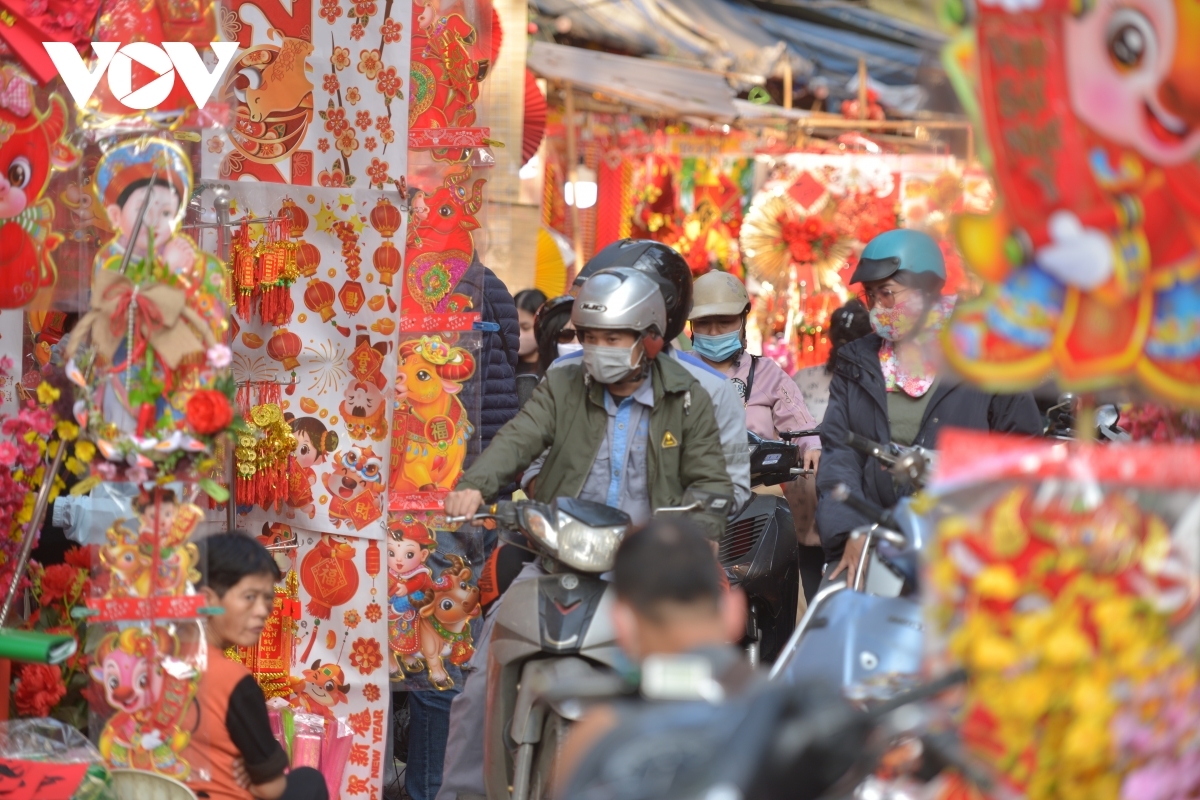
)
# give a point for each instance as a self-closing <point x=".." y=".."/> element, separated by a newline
<point x="446" y="622"/>
<point x="145" y="733"/>
<point x="355" y="486"/>
<point x="319" y="689"/>
<point x="436" y="427"/>
<point x="283" y="85"/>
<point x="364" y="405"/>
<point x="441" y="243"/>
<point x="129" y="564"/>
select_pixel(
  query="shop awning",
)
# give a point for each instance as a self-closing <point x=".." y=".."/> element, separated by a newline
<point x="660" y="87"/>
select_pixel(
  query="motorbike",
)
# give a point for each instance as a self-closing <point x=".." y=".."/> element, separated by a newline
<point x="868" y="644"/>
<point x="1062" y="420"/>
<point x="759" y="551"/>
<point x="555" y="629"/>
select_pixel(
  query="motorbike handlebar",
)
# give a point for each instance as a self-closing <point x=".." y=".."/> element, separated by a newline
<point x="870" y="448"/>
<point x="787" y="436"/>
<point x="842" y="494"/>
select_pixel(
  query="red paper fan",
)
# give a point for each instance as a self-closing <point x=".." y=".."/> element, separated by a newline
<point x="535" y="118"/>
<point x="490" y="40"/>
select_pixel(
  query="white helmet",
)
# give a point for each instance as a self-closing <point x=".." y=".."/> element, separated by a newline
<point x="718" y="294"/>
<point x="620" y="298"/>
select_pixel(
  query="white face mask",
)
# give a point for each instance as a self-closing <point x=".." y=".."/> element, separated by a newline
<point x="528" y="344"/>
<point x="568" y="348"/>
<point x="609" y="364"/>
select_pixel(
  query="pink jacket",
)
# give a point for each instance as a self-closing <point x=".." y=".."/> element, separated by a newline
<point x="775" y="402"/>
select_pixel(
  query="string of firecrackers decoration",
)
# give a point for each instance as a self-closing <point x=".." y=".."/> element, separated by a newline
<point x="1060" y="688"/>
<point x="282" y="626"/>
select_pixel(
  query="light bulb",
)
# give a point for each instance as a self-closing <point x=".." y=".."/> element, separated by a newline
<point x="582" y="187"/>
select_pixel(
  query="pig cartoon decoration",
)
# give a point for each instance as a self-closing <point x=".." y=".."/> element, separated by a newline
<point x="1091" y="110"/>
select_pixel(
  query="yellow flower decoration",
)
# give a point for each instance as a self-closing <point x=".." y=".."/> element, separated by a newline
<point x="85" y="451"/>
<point x="47" y="394"/>
<point x="67" y="430"/>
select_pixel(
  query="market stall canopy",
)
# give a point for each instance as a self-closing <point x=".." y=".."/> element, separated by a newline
<point x="667" y="88"/>
<point x="823" y="47"/>
<point x="712" y="34"/>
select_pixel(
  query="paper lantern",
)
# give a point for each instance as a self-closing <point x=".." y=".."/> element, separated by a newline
<point x="284" y="347"/>
<point x="385" y="218"/>
<point x="319" y="297"/>
<point x="387" y="262"/>
<point x="352" y="297"/>
<point x="329" y="575"/>
<point x="308" y="258"/>
<point x="297" y="218"/>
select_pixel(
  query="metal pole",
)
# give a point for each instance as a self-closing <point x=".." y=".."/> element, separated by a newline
<point x="572" y="163"/>
<point x="221" y="204"/>
<point x="35" y="524"/>
<point x="787" y="82"/>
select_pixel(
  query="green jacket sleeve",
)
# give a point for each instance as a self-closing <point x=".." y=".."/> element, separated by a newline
<point x="702" y="462"/>
<point x="516" y="445"/>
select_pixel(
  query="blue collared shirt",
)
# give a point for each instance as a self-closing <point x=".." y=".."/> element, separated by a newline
<point x="618" y="475"/>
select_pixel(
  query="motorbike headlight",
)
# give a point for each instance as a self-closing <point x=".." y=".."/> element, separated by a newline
<point x="585" y="547"/>
<point x="540" y="526"/>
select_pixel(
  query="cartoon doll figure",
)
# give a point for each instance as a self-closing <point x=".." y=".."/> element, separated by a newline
<point x="30" y="149"/>
<point x="124" y="178"/>
<point x="364" y="405"/>
<point x="319" y="690"/>
<point x="410" y="587"/>
<point x="313" y="443"/>
<point x="150" y="700"/>
<point x="166" y="524"/>
<point x="129" y="565"/>
<point x="1093" y="257"/>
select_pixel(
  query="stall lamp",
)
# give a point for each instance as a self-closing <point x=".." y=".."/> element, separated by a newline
<point x="581" y="186"/>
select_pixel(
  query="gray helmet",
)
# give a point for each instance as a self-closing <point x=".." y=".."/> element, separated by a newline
<point x="620" y="298"/>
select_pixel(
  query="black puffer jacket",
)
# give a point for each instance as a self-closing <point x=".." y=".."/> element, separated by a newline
<point x="496" y="389"/>
<point x="858" y="403"/>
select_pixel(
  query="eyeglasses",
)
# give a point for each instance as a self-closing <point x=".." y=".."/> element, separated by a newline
<point x="882" y="297"/>
<point x="566" y="336"/>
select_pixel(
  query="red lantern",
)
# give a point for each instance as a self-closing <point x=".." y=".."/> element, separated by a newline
<point x="353" y="297"/>
<point x="329" y="575"/>
<point x="296" y="216"/>
<point x="374" y="561"/>
<point x="319" y="297"/>
<point x="385" y="218"/>
<point x="308" y="258"/>
<point x="387" y="262"/>
<point x="284" y="347"/>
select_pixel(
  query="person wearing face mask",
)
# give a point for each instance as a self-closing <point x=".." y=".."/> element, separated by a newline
<point x="554" y="331"/>
<point x="528" y="301"/>
<point x="889" y="387"/>
<point x="622" y="425"/>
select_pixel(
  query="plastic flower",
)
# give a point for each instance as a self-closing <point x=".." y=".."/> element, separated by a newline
<point x="365" y="655"/>
<point x="47" y="394"/>
<point x="219" y="356"/>
<point x="39" y="688"/>
<point x="370" y="63"/>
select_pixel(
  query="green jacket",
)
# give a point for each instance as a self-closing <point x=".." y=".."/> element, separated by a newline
<point x="567" y="415"/>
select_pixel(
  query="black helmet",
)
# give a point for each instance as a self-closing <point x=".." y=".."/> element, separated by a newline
<point x="660" y="262"/>
<point x="550" y="307"/>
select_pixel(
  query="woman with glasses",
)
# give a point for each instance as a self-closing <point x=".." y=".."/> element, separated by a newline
<point x="889" y="386"/>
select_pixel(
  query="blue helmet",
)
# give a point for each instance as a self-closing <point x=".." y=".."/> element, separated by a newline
<point x="901" y="249"/>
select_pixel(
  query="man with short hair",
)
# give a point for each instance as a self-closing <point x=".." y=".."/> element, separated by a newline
<point x="671" y="600"/>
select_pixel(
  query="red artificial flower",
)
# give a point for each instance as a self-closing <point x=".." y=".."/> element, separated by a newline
<point x="813" y="228"/>
<point x="208" y="412"/>
<point x="59" y="581"/>
<point x="39" y="688"/>
<point x="79" y="557"/>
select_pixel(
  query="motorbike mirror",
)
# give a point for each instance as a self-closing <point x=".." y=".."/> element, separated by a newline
<point x="1107" y="416"/>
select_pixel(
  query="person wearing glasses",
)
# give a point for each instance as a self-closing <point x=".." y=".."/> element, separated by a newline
<point x="889" y="386"/>
<point x="554" y="331"/>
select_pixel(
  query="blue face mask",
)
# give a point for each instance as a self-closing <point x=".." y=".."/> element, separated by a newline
<point x="718" y="348"/>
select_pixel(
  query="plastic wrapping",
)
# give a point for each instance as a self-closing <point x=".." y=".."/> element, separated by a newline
<point x="145" y="638"/>
<point x="49" y="760"/>
<point x="1064" y="578"/>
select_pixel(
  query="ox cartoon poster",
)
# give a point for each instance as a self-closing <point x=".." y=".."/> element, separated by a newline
<point x="319" y="92"/>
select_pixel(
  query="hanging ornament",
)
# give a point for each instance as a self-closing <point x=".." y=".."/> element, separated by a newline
<point x="329" y="575"/>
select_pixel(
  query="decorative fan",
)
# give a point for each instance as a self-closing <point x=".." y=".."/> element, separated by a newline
<point x="777" y="234"/>
<point x="535" y="118"/>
